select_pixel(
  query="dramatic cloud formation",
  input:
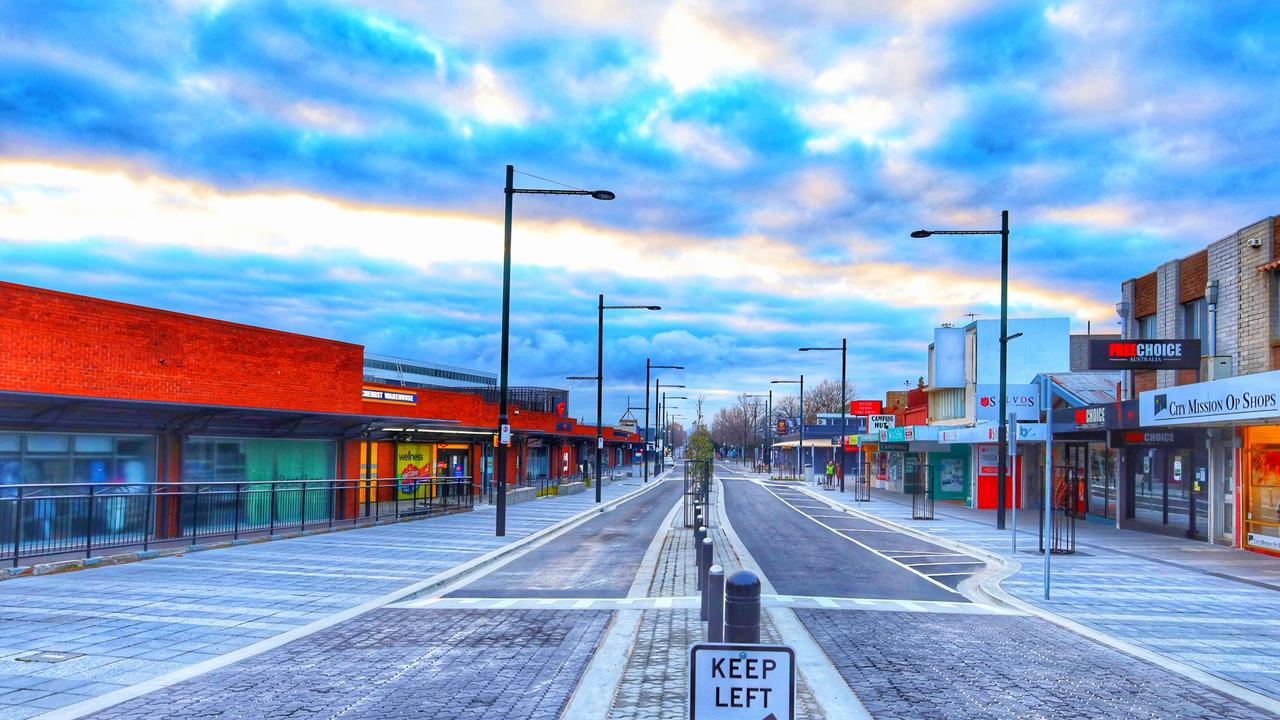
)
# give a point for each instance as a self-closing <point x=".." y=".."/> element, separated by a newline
<point x="335" y="168"/>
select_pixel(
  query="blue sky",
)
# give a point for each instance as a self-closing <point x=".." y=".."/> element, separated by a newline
<point x="336" y="169"/>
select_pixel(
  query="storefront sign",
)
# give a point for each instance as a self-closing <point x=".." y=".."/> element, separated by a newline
<point x="1021" y="399"/>
<point x="1154" y="438"/>
<point x="1243" y="398"/>
<point x="1144" y="354"/>
<point x="865" y="407"/>
<point x="1269" y="542"/>
<point x="393" y="397"/>
<point x="988" y="457"/>
<point x="881" y="422"/>
<point x="1027" y="432"/>
<point x="750" y="682"/>
<point x="894" y="447"/>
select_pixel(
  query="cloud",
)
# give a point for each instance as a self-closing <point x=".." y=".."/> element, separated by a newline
<point x="769" y="161"/>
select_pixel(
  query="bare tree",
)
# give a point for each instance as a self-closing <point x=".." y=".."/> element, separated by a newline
<point x="699" y="421"/>
<point x="677" y="434"/>
<point x="824" y="397"/>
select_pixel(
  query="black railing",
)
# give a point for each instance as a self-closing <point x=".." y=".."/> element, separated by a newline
<point x="697" y="487"/>
<point x="66" y="519"/>
<point x="1066" y="505"/>
<point x="917" y="481"/>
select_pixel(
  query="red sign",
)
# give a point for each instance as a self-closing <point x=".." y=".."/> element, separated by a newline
<point x="865" y="407"/>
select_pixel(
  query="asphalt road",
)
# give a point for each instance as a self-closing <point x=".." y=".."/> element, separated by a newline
<point x="804" y="547"/>
<point x="598" y="559"/>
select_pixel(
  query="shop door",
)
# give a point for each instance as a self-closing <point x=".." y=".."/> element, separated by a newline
<point x="1149" y="486"/>
<point x="1100" y="500"/>
<point x="1077" y="467"/>
<point x="1187" y="500"/>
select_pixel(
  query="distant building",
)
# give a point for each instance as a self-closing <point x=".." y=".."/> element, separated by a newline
<point x="390" y="370"/>
<point x="964" y="365"/>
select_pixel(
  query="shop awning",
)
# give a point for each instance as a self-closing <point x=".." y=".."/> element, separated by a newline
<point x="1027" y="432"/>
<point x="69" y="413"/>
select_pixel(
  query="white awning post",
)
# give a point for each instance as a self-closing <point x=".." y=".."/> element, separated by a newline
<point x="1048" y="482"/>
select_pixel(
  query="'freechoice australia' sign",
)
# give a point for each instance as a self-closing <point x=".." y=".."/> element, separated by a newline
<point x="1144" y="354"/>
<point x="1244" y="398"/>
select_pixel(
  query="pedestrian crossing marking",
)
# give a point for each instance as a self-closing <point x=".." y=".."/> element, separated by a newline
<point x="694" y="601"/>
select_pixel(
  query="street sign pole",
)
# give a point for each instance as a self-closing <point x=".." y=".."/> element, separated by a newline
<point x="1013" y="463"/>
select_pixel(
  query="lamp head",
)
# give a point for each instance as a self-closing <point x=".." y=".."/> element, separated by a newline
<point x="602" y="194"/>
<point x="921" y="234"/>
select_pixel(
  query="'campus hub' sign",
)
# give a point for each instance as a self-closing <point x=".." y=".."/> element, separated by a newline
<point x="1144" y="354"/>
<point x="1244" y="398"/>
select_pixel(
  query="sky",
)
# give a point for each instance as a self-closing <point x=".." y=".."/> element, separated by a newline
<point x="336" y="169"/>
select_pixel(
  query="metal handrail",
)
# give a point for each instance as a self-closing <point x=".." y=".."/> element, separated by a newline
<point x="46" y="520"/>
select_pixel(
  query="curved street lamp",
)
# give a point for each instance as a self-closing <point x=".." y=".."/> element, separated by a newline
<point x="1003" y="232"/>
<point x="800" y="451"/>
<point x="844" y="396"/>
<point x="601" y="307"/>
<point x="651" y="429"/>
<point x="504" y="423"/>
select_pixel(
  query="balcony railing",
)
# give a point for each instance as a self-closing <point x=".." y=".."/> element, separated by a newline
<point x="84" y="519"/>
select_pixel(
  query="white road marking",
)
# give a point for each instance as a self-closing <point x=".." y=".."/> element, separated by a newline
<point x="860" y="544"/>
<point x="953" y="562"/>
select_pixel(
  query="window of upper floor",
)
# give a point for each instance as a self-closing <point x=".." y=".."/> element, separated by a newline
<point x="1195" y="319"/>
<point x="1147" y="328"/>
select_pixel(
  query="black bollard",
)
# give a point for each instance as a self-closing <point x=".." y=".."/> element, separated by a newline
<point x="698" y="550"/>
<point x="742" y="608"/>
<point x="704" y="563"/>
<point x="699" y="532"/>
<point x="715" y="604"/>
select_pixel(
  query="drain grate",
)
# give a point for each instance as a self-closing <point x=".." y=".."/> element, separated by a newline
<point x="45" y="656"/>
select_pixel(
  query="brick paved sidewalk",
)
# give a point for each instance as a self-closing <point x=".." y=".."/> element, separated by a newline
<point x="129" y="623"/>
<point x="654" y="682"/>
<point x="1208" y="607"/>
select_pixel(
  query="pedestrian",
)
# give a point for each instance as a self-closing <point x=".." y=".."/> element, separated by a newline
<point x="831" y="472"/>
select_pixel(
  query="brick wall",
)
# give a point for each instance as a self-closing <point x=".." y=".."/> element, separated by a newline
<point x="1224" y="262"/>
<point x="1253" y="353"/>
<point x="66" y="344"/>
<point x="1144" y="295"/>
<point x="1143" y="380"/>
<point x="1193" y="272"/>
<point x="1168" y="313"/>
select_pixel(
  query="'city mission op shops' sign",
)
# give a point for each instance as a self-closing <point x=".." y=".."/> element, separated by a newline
<point x="1244" y="398"/>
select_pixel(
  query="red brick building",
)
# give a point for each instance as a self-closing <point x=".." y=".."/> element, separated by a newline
<point x="95" y="391"/>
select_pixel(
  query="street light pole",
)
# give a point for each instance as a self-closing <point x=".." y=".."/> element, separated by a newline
<point x="504" y="424"/>
<point x="800" y="451"/>
<point x="1003" y="420"/>
<point x="600" y="308"/>
<point x="651" y="430"/>
<point x="844" y="396"/>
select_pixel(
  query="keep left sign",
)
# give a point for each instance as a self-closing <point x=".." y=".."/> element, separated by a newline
<point x="741" y="682"/>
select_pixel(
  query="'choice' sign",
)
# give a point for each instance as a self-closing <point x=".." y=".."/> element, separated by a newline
<point x="1144" y="354"/>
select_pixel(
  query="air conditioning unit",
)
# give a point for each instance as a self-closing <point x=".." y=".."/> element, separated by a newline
<point x="1255" y="242"/>
<point x="1215" y="367"/>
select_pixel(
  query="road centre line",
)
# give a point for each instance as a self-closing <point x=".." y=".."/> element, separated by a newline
<point x="862" y="545"/>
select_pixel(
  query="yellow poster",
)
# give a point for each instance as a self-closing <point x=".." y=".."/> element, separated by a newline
<point x="414" y="462"/>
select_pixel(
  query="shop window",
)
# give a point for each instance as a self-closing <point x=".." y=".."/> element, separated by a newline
<point x="1261" y="471"/>
<point x="1195" y="318"/>
<point x="1147" y="328"/>
<point x="40" y="458"/>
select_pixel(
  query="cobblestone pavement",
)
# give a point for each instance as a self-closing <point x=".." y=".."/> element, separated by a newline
<point x="389" y="664"/>
<point x="906" y="665"/>
<point x="130" y="623"/>
<point x="1205" y="606"/>
<point x="654" y="682"/>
